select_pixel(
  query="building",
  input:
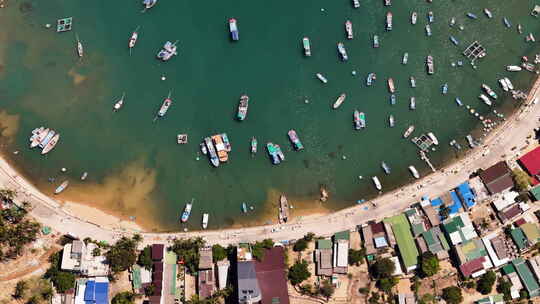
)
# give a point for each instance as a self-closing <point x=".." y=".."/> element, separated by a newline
<point x="248" y="286"/>
<point x="530" y="162"/>
<point x="436" y="242"/>
<point x="341" y="252"/>
<point x="405" y="241"/>
<point x="497" y="178"/>
<point x="459" y="229"/>
<point x="510" y="272"/>
<point x="509" y="213"/>
<point x="466" y="195"/>
<point x="416" y="221"/>
<point x="397" y="270"/>
<point x="406" y="298"/>
<point x="431" y="213"/>
<point x="478" y="188"/>
<point x="526" y="276"/>
<point x="79" y="257"/>
<point x="323" y="258"/>
<point x="272" y="277"/>
<point x="472" y="257"/>
<point x="72" y="256"/>
<point x="535" y="192"/>
<point x="222" y="272"/>
<point x="375" y="237"/>
<point x="140" y="277"/>
<point x="205" y="278"/>
<point x="157" y="252"/>
<point x="504" y="200"/>
<point x="496" y="249"/>
<point x="92" y="291"/>
<point x="494" y="299"/>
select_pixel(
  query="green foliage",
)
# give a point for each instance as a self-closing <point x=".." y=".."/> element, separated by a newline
<point x="15" y="232"/>
<point x="218" y="253"/>
<point x="309" y="236"/>
<point x="429" y="264"/>
<point x="122" y="255"/>
<point x="470" y="284"/>
<point x="149" y="290"/>
<point x="20" y="289"/>
<point x="522" y="181"/>
<point x="258" y="249"/>
<point x="444" y="211"/>
<point x="427" y="299"/>
<point x="374" y="299"/>
<point x="125" y="297"/>
<point x="306" y="289"/>
<point x="145" y="258"/>
<point x="523" y="294"/>
<point x="299" y="272"/>
<point x="383" y="268"/>
<point x="187" y="251"/>
<point x="452" y="295"/>
<point x="363" y="290"/>
<point x="300" y="245"/>
<point x="61" y="280"/>
<point x="96" y="252"/>
<point x="326" y="289"/>
<point x="386" y="284"/>
<point x="485" y="283"/>
<point x="356" y="257"/>
<point x="504" y="287"/>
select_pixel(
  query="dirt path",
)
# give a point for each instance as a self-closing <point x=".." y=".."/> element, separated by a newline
<point x="42" y="263"/>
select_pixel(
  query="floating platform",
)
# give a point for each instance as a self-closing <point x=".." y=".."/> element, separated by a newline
<point x="64" y="25"/>
<point x="182" y="139"/>
<point x="474" y="51"/>
<point x="423" y="142"/>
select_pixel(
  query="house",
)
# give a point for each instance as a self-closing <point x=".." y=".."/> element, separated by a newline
<point x="92" y="291"/>
<point x="79" y="257"/>
<point x="205" y="278"/>
<point x="466" y="195"/>
<point x="472" y="257"/>
<point x="375" y="237"/>
<point x="530" y="162"/>
<point x="272" y="277"/>
<point x="323" y="258"/>
<point x="519" y="238"/>
<point x="222" y="272"/>
<point x="459" y="229"/>
<point x="367" y="235"/>
<point x="510" y="272"/>
<point x="532" y="233"/>
<point x="405" y="241"/>
<point x="436" y="242"/>
<point x="431" y="213"/>
<point x="496" y="249"/>
<point x="140" y="277"/>
<point x="526" y="276"/>
<point x="397" y="266"/>
<point x="509" y="213"/>
<point x="478" y="188"/>
<point x="494" y="299"/>
<point x="157" y="252"/>
<point x="504" y="200"/>
<point x="205" y="258"/>
<point x="72" y="256"/>
<point x="497" y="178"/>
<point x="416" y="221"/>
<point x="248" y="286"/>
<point x="341" y="252"/>
<point x="534" y="264"/>
<point x="406" y="298"/>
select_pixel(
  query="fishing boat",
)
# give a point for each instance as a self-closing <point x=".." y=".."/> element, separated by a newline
<point x="233" y="28"/>
<point x="377" y="183"/>
<point x="47" y="138"/>
<point x="428" y="30"/>
<point x="168" y="51"/>
<point x="148" y="4"/>
<point x="342" y="51"/>
<point x="458" y="101"/>
<point x="430" y="17"/>
<point x="244" y="208"/>
<point x="118" y="105"/>
<point x="84" y="176"/>
<point x="165" y="106"/>
<point x="507" y="22"/>
<point x="387" y="2"/>
<point x="513" y="68"/>
<point x="508" y="83"/>
<point x="38" y="137"/>
<point x="388" y="21"/>
<point x="472" y="16"/>
<point x="359" y="120"/>
<point x="283" y="209"/>
<point x="62" y="187"/>
<point x="414" y="17"/>
<point x="339" y="101"/>
<point x="80" y="49"/>
<point x="214" y="159"/>
<point x="489" y="91"/>
<point x="485" y="99"/>
<point x="242" y="107"/>
<point x="205" y="220"/>
<point x="295" y="140"/>
<point x="392" y="99"/>
<point x="414" y="172"/>
<point x="187" y="212"/>
<point x="391" y="86"/>
<point x="51" y="144"/>
<point x="430" y="65"/>
<point x="454" y="40"/>
<point x="356" y="3"/>
<point x="221" y="149"/>
<point x="520" y="29"/>
<point x="386" y="168"/>
<point x="133" y="39"/>
<point x="307" y="46"/>
<point x="412" y="103"/>
<point x="279" y="152"/>
<point x="471" y="141"/>
<point x="412" y="80"/>
<point x="444" y="89"/>
<point x="322" y="78"/>
<point x="488" y="13"/>
<point x="405" y="58"/>
<point x="452" y="21"/>
<point x="226" y="142"/>
<point x="433" y="138"/>
<point x="409" y="131"/>
<point x="272" y="151"/>
<point x="375" y="41"/>
<point x="349" y="29"/>
<point x="371" y="78"/>
<point x="253" y="145"/>
<point x="204" y="149"/>
<point x="391" y="121"/>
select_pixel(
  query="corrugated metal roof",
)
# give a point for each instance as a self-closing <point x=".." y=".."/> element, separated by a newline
<point x="531" y="231"/>
<point x="535" y="192"/>
<point x="324" y="244"/>
<point x="342" y="235"/>
<point x="519" y="238"/>
<point x="526" y="277"/>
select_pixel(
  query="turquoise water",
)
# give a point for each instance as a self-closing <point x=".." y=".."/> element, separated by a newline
<point x="137" y="169"/>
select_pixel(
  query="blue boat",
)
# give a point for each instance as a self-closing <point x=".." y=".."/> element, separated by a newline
<point x="458" y="101"/>
<point x="454" y="40"/>
<point x="233" y="28"/>
<point x="393" y="99"/>
<point x="472" y="16"/>
<point x="507" y="22"/>
<point x="187" y="212"/>
<point x="47" y="138"/>
<point x="445" y="88"/>
<point x="430" y="17"/>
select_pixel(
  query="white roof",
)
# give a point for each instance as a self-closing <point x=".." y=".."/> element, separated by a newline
<point x="469" y="232"/>
<point x="455" y="238"/>
<point x="506" y="200"/>
<point x="223" y="269"/>
<point x="79" y="295"/>
<point x="397" y="265"/>
<point x="67" y="262"/>
<point x="146" y="275"/>
<point x="341" y="253"/>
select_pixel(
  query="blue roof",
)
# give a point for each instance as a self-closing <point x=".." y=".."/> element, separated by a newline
<point x="89" y="293"/>
<point x="380" y="242"/>
<point x="467" y="195"/>
<point x="436" y="202"/>
<point x="102" y="293"/>
<point x="456" y="206"/>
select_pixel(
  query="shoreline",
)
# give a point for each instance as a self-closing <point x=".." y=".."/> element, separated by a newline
<point x="63" y="216"/>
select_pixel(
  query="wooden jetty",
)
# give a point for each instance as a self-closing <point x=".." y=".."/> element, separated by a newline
<point x="283" y="209"/>
<point x="424" y="157"/>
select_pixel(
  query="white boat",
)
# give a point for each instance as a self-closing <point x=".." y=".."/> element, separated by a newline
<point x="342" y="51"/>
<point x="133" y="39"/>
<point x="165" y="106"/>
<point x="205" y="220"/>
<point x="322" y="78"/>
<point x="339" y="101"/>
<point x="508" y="83"/>
<point x="391" y="121"/>
<point x="503" y="84"/>
<point x="412" y="103"/>
<point x="62" y="187"/>
<point x="409" y="131"/>
<point x="485" y="99"/>
<point x="488" y="13"/>
<point x="513" y="68"/>
<point x="38" y="137"/>
<point x="118" y="105"/>
<point x="349" y="29"/>
<point x="80" y="50"/>
<point x="433" y="138"/>
<point x="414" y="17"/>
<point x="47" y="138"/>
<point x="148" y="4"/>
<point x="51" y="144"/>
<point x="377" y="183"/>
<point x="307" y="46"/>
<point x="187" y="212"/>
<point x="356" y="3"/>
<point x="414" y="172"/>
<point x="84" y="176"/>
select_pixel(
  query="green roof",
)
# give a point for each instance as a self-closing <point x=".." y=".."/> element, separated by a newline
<point x="418" y="229"/>
<point x="494" y="299"/>
<point x="531" y="231"/>
<point x="473" y="249"/>
<point x="170" y="258"/>
<point x="402" y="232"/>
<point x="324" y="244"/>
<point x="508" y="269"/>
<point x="527" y="277"/>
<point x="46" y="230"/>
<point x="454" y="224"/>
<point x="519" y="238"/>
<point x="343" y="235"/>
<point x="535" y="192"/>
<point x="136" y="277"/>
<point x="410" y="212"/>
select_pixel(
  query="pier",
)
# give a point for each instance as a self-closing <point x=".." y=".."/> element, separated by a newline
<point x="423" y="142"/>
<point x="474" y="50"/>
<point x="424" y="157"/>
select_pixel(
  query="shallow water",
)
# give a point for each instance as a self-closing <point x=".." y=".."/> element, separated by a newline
<point x="137" y="169"/>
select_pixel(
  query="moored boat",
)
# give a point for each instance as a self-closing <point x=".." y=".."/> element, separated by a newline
<point x="133" y="39"/>
<point x="444" y="89"/>
<point x="307" y="46"/>
<point x="370" y="79"/>
<point x="386" y="168"/>
<point x="165" y="105"/>
<point x="428" y="30"/>
<point x="221" y="149"/>
<point x="342" y="51"/>
<point x="454" y="40"/>
<point x="489" y="91"/>
<point x="168" y="51"/>
<point x="433" y="138"/>
<point x="51" y="144"/>
<point x="80" y="49"/>
<point x="520" y="29"/>
<point x="339" y="101"/>
<point x="392" y="99"/>
<point x="488" y="13"/>
<point x="242" y="107"/>
<point x="412" y="103"/>
<point x="233" y="28"/>
<point x="118" y="105"/>
<point x="472" y="16"/>
<point x="84" y="176"/>
<point x="283" y="209"/>
<point x="356" y="3"/>
<point x="430" y="17"/>
<point x="204" y="149"/>
<point x="322" y="78"/>
<point x="253" y="145"/>
<point x="414" y="17"/>
<point x="507" y="22"/>
<point x="485" y="99"/>
<point x="187" y="212"/>
<point x="359" y="120"/>
<point x="148" y="4"/>
<point x="388" y="21"/>
<point x="508" y="83"/>
<point x="47" y="138"/>
<point x="405" y="58"/>
<point x="452" y="21"/>
<point x="414" y="172"/>
<point x="513" y="68"/>
<point x="391" y="86"/>
<point x="62" y="187"/>
<point x="211" y="151"/>
<point x="349" y="29"/>
<point x="412" y="80"/>
<point x="387" y="2"/>
<point x="409" y="131"/>
<point x="391" y="121"/>
<point x="226" y="142"/>
<point x="430" y="65"/>
<point x="375" y="41"/>
<point x="38" y="137"/>
<point x="279" y="152"/>
<point x="293" y="137"/>
<point x="376" y="182"/>
<point x="458" y="101"/>
<point x="205" y="220"/>
<point x="272" y="151"/>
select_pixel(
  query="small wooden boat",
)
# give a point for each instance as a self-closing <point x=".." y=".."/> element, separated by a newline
<point x="84" y="176"/>
<point x="62" y="187"/>
<point x="283" y="209"/>
<point x="339" y="101"/>
<point x="205" y="220"/>
<point x="409" y="131"/>
<point x="133" y="39"/>
<point x="253" y="148"/>
<point x="118" y="105"/>
<point x="80" y="49"/>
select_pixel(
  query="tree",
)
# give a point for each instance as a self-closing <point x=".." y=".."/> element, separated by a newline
<point x="363" y="290"/>
<point x="145" y="258"/>
<point x="218" y="253"/>
<point x="427" y="299"/>
<point x="309" y="236"/>
<point x="326" y="289"/>
<point x="125" y="297"/>
<point x="187" y="251"/>
<point x="383" y="268"/>
<point x="452" y="295"/>
<point x="444" y="211"/>
<point x="356" y="257"/>
<point x="429" y="264"/>
<point x="137" y="238"/>
<point x="504" y="287"/>
<point x="63" y="281"/>
<point x="96" y="252"/>
<point x="149" y="290"/>
<point x="374" y="299"/>
<point x="306" y="289"/>
<point x="20" y="289"/>
<point x="522" y="181"/>
<point x="300" y="245"/>
<point x="386" y="284"/>
<point x="485" y="283"/>
<point x="258" y="249"/>
<point x="299" y="272"/>
<point x="122" y="255"/>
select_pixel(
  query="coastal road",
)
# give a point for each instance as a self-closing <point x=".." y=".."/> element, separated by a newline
<point x="503" y="143"/>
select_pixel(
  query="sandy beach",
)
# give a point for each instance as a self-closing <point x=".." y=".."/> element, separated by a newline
<point x="505" y="142"/>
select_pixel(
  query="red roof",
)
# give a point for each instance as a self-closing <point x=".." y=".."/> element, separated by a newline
<point x="272" y="278"/>
<point x="531" y="163"/>
<point x="377" y="228"/>
<point x="157" y="252"/>
<point x="471" y="267"/>
<point x="520" y="222"/>
<point x="497" y="178"/>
